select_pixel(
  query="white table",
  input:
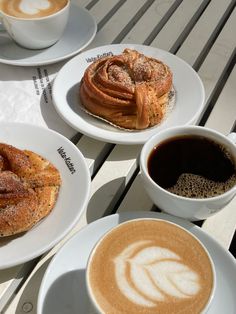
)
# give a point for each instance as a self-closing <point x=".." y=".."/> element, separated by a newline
<point x="202" y="32"/>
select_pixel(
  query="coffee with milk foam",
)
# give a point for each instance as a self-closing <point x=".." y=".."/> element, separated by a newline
<point x="150" y="266"/>
<point x="32" y="8"/>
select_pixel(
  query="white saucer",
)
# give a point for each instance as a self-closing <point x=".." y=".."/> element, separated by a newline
<point x="79" y="32"/>
<point x="63" y="287"/>
<point x="73" y="195"/>
<point x="189" y="95"/>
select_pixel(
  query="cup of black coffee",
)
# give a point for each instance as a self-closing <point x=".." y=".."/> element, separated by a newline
<point x="190" y="171"/>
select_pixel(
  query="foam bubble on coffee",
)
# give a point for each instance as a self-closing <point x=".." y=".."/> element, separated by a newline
<point x="196" y="186"/>
<point x="156" y="273"/>
<point x="32" y="7"/>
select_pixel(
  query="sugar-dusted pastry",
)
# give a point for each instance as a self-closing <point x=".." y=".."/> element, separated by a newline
<point x="29" y="186"/>
<point x="129" y="90"/>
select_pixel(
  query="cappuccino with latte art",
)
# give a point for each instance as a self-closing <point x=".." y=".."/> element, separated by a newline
<point x="35" y="24"/>
<point x="150" y="266"/>
<point x="31" y="8"/>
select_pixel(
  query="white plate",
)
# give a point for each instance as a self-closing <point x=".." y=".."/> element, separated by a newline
<point x="79" y="32"/>
<point x="63" y="288"/>
<point x="72" y="200"/>
<point x="189" y="96"/>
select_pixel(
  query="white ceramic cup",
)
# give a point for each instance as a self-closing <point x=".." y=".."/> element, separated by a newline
<point x="189" y="208"/>
<point x="36" y="33"/>
<point x="95" y="305"/>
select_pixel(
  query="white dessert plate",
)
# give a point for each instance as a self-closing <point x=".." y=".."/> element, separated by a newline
<point x="63" y="287"/>
<point x="79" y="32"/>
<point x="72" y="199"/>
<point x="189" y="100"/>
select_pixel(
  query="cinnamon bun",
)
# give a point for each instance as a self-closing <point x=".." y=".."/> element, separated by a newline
<point x="29" y="187"/>
<point x="129" y="90"/>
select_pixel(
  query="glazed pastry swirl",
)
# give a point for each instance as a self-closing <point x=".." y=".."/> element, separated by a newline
<point x="29" y="186"/>
<point x="129" y="90"/>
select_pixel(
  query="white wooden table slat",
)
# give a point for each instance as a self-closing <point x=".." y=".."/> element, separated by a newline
<point x="156" y="12"/>
<point x="83" y="3"/>
<point x="136" y="199"/>
<point x="8" y="284"/>
<point x="116" y="23"/>
<point x="217" y="58"/>
<point x="202" y="31"/>
<point x="100" y="9"/>
<point x="222" y="225"/>
<point x="176" y="24"/>
<point x="223" y="114"/>
<point x="93" y="151"/>
<point x="111" y="180"/>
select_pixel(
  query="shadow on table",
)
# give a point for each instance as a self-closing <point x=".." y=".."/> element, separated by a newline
<point x="97" y="207"/>
<point x="68" y="295"/>
<point x="32" y="288"/>
<point x="13" y="51"/>
<point x="50" y="115"/>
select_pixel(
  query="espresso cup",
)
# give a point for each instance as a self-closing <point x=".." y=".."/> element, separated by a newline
<point x="205" y="184"/>
<point x="34" y="24"/>
<point x="150" y="266"/>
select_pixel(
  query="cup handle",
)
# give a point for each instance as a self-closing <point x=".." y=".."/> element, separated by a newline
<point x="232" y="137"/>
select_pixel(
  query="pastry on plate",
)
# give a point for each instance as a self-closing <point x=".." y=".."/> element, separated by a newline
<point x="129" y="90"/>
<point x="29" y="187"/>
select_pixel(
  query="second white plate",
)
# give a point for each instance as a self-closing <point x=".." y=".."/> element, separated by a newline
<point x="72" y="199"/>
<point x="189" y="95"/>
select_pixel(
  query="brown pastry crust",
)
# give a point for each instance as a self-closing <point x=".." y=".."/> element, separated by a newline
<point x="29" y="186"/>
<point x="129" y="90"/>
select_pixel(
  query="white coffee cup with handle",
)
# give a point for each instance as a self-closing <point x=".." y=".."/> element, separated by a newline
<point x="191" y="208"/>
<point x="34" y="24"/>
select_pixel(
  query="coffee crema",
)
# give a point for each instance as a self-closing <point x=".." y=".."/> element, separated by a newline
<point x="150" y="266"/>
<point x="192" y="166"/>
<point x="31" y="8"/>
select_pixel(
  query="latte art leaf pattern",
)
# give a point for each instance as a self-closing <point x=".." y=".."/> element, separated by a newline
<point x="33" y="7"/>
<point x="155" y="274"/>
